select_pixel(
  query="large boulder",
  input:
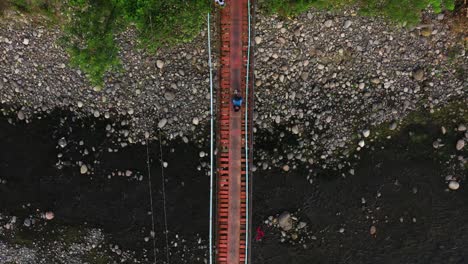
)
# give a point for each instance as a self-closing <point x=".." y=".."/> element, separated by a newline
<point x="285" y="221"/>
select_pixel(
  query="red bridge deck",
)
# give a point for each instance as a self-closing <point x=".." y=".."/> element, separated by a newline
<point x="231" y="180"/>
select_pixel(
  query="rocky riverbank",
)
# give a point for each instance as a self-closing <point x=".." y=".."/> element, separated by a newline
<point x="323" y="79"/>
<point x="331" y="88"/>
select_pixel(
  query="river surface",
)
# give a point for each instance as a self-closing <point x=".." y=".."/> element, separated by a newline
<point x="398" y="187"/>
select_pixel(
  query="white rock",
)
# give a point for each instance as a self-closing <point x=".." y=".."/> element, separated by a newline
<point x="361" y="143"/>
<point x="162" y="123"/>
<point x="366" y="133"/>
<point x="320" y="66"/>
<point x="328" y="23"/>
<point x="160" y="64"/>
<point x="461" y="128"/>
<point x="347" y="24"/>
<point x="285" y="221"/>
<point x="453" y="185"/>
<point x="80" y="104"/>
<point x="460" y="144"/>
<point x="202" y="154"/>
<point x="49" y="215"/>
<point x="26" y="41"/>
<point x="258" y="40"/>
<point x="195" y="121"/>
<point x="83" y="169"/>
<point x="286" y="167"/>
<point x="20" y="115"/>
<point x="295" y="129"/>
<point x="341" y="230"/>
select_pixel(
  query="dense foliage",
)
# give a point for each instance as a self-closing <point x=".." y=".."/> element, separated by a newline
<point x="93" y="25"/>
<point x="405" y="11"/>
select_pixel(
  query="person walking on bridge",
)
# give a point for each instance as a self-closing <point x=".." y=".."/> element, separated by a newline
<point x="237" y="101"/>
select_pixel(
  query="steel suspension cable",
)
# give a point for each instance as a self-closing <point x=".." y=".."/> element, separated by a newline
<point x="211" y="145"/>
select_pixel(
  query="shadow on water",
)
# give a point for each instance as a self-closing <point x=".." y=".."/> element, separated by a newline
<point x="120" y="205"/>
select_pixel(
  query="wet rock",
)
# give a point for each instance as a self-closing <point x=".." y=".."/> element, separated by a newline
<point x="285" y="221"/>
<point x="366" y="133"/>
<point x="49" y="215"/>
<point x="460" y="144"/>
<point x="20" y="115"/>
<point x="361" y="143"/>
<point x="62" y="142"/>
<point x="295" y="130"/>
<point x="27" y="222"/>
<point x="453" y="185"/>
<point x="83" y="169"/>
<point x="301" y="225"/>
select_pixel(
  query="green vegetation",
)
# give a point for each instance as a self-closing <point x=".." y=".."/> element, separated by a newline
<point x="37" y="6"/>
<point x="93" y="25"/>
<point x="405" y="11"/>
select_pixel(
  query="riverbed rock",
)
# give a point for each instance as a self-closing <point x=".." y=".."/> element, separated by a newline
<point x="418" y="75"/>
<point x="169" y="95"/>
<point x="460" y="144"/>
<point x="62" y="142"/>
<point x="328" y="23"/>
<point x="454" y="185"/>
<point x="366" y="133"/>
<point x="159" y="64"/>
<point x="258" y="40"/>
<point x="285" y="221"/>
<point x="162" y="123"/>
<point x="83" y="169"/>
<point x="49" y="215"/>
<point x="20" y="115"/>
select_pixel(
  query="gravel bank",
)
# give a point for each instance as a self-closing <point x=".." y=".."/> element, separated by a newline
<point x="322" y="78"/>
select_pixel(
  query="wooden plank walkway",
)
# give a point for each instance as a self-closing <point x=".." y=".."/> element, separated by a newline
<point x="231" y="163"/>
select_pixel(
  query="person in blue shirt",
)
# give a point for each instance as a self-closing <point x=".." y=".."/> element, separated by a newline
<point x="237" y="102"/>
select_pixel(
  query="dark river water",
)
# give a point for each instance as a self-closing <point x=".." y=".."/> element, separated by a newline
<point x="406" y="198"/>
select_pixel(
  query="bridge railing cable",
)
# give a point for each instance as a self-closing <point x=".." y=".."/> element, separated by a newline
<point x="210" y="246"/>
<point x="247" y="236"/>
